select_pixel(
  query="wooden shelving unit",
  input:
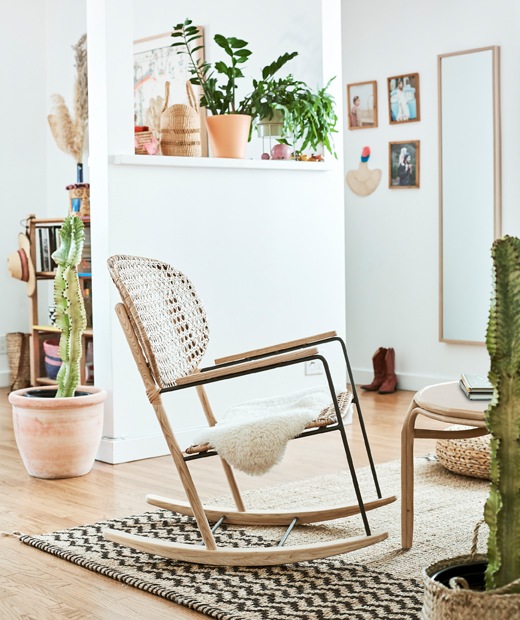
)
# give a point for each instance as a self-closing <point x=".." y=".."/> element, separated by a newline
<point x="39" y="328"/>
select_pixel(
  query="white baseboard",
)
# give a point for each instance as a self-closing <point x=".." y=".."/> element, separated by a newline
<point x="115" y="450"/>
<point x="4" y="378"/>
<point x="405" y="381"/>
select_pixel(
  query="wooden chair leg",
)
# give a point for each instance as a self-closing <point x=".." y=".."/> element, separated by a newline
<point x="185" y="476"/>
<point x="407" y="476"/>
<point x="210" y="417"/>
<point x="176" y="452"/>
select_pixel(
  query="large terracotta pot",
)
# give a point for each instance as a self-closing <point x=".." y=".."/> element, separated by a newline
<point x="58" y="437"/>
<point x="228" y="134"/>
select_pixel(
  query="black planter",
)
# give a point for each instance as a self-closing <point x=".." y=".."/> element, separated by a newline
<point x="42" y="393"/>
<point x="473" y="573"/>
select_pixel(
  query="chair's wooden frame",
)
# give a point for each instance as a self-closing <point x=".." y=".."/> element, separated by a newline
<point x="293" y="352"/>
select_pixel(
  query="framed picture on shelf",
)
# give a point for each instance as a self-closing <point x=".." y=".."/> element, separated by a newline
<point x="403" y="98"/>
<point x="155" y="63"/>
<point x="404" y="164"/>
<point x="362" y="105"/>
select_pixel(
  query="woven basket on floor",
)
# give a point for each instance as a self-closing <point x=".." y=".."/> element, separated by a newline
<point x="18" y="357"/>
<point x="180" y="126"/>
<point x="443" y="603"/>
<point x="468" y="457"/>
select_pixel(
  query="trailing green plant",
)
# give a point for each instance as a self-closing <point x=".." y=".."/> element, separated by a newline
<point x="70" y="309"/>
<point x="221" y="98"/>
<point x="309" y="118"/>
<point x="502" y="510"/>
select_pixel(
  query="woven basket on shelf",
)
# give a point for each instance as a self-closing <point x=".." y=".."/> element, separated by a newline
<point x="18" y="357"/>
<point x="180" y="126"/>
<point x="468" y="457"/>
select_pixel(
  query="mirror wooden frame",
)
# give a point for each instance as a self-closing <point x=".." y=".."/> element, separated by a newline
<point x="497" y="189"/>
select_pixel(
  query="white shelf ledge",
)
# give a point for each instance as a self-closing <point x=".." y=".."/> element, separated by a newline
<point x="216" y="162"/>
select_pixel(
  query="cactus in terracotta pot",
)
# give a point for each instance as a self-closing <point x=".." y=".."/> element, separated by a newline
<point x="502" y="510"/>
<point x="70" y="310"/>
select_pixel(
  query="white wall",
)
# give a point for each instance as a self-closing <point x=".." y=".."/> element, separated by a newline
<point x="265" y="249"/>
<point x="66" y="22"/>
<point x="392" y="244"/>
<point x="22" y="153"/>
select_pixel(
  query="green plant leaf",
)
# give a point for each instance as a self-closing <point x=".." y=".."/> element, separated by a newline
<point x="236" y="43"/>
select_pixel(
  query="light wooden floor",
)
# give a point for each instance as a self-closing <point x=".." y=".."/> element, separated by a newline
<point x="34" y="585"/>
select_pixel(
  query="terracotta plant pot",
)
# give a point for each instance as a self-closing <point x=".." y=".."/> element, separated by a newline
<point x="58" y="437"/>
<point x="228" y="134"/>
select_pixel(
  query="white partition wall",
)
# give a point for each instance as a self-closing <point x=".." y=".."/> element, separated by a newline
<point x="263" y="245"/>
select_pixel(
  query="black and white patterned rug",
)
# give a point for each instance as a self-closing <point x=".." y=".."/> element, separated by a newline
<point x="377" y="582"/>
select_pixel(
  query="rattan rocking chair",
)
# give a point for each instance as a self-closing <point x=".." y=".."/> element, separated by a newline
<point x="166" y="328"/>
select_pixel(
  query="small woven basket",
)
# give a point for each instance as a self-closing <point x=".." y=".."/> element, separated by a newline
<point x="458" y="601"/>
<point x="468" y="457"/>
<point x="18" y="357"/>
<point x="180" y="126"/>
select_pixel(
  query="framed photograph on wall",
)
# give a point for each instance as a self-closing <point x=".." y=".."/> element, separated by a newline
<point x="362" y="105"/>
<point x="404" y="164"/>
<point x="155" y="63"/>
<point x="403" y="98"/>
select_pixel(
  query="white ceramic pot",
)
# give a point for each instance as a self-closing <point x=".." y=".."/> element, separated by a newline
<point x="58" y="437"/>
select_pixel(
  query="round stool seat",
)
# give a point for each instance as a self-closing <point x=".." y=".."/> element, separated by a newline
<point x="468" y="457"/>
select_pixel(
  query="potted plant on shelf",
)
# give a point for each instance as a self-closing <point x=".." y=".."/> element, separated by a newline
<point x="58" y="429"/>
<point x="307" y="118"/>
<point x="500" y="571"/>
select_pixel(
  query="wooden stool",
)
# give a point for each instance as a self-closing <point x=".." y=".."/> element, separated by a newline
<point x="444" y="402"/>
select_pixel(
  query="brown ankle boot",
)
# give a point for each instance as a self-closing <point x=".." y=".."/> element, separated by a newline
<point x="378" y="362"/>
<point x="389" y="384"/>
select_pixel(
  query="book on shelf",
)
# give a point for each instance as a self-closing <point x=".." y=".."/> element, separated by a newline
<point x="49" y="241"/>
<point x="476" y="387"/>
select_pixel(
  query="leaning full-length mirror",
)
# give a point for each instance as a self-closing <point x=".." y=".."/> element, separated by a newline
<point x="470" y="191"/>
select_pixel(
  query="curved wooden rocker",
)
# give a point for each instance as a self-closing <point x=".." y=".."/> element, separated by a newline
<point x="166" y="328"/>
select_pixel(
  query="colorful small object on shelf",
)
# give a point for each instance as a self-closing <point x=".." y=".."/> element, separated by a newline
<point x="265" y="156"/>
<point x="52" y="358"/>
<point x="145" y="143"/>
<point x="281" y="151"/>
<point x="81" y="192"/>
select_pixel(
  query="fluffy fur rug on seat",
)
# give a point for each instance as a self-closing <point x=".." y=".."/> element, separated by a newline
<point x="252" y="436"/>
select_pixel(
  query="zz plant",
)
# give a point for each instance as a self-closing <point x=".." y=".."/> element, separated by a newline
<point x="502" y="510"/>
<point x="70" y="309"/>
<point x="221" y="98"/>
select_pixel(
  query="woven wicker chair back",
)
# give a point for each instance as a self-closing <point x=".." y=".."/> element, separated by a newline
<point x="166" y="314"/>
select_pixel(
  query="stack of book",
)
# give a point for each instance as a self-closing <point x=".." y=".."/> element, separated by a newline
<point x="476" y="387"/>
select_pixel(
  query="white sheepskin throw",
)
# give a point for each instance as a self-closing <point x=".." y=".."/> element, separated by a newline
<point x="252" y="436"/>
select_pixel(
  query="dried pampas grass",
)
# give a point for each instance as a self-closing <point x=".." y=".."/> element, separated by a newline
<point x="153" y="114"/>
<point x="69" y="133"/>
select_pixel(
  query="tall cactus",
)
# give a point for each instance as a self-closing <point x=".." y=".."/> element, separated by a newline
<point x="70" y="309"/>
<point x="502" y="510"/>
